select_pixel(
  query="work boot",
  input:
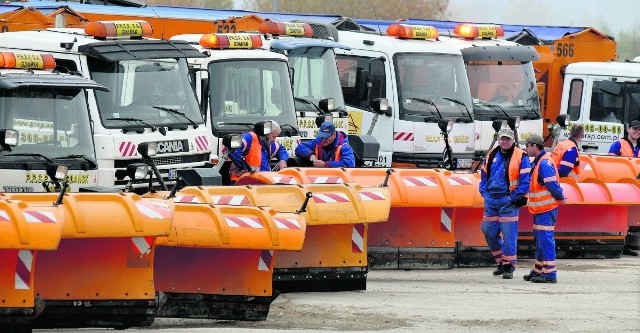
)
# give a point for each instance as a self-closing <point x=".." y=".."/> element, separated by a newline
<point x="499" y="270"/>
<point x="529" y="276"/>
<point x="543" y="279"/>
<point x="508" y="272"/>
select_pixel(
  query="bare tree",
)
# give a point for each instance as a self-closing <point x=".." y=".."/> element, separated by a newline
<point x="368" y="9"/>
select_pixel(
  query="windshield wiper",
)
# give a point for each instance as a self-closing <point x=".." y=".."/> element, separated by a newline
<point x="293" y="129"/>
<point x="136" y="120"/>
<point x="222" y="123"/>
<point x="84" y="157"/>
<point x="32" y="155"/>
<point x="460" y="103"/>
<point x="174" y="111"/>
<point x="306" y="101"/>
<point x="496" y="108"/>
<point x="428" y="102"/>
<point x="530" y="110"/>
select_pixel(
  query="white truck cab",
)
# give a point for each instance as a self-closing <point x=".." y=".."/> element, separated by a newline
<point x="44" y="122"/>
<point x="501" y="80"/>
<point x="149" y="98"/>
<point x="430" y="118"/>
<point x="240" y="84"/>
<point x="603" y="97"/>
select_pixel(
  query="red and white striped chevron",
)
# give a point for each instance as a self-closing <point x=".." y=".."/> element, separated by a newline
<point x="244" y="222"/>
<point x="459" y="181"/>
<point x="202" y="143"/>
<point x="23" y="269"/>
<point x="357" y="238"/>
<point x="154" y="209"/>
<point x="445" y="219"/>
<point x="420" y="181"/>
<point x="369" y="196"/>
<point x="186" y="199"/>
<point x="265" y="261"/>
<point x="403" y="136"/>
<point x="33" y="216"/>
<point x="142" y="244"/>
<point x="282" y="223"/>
<point x="330" y="197"/>
<point x="231" y="200"/>
<point x="326" y="180"/>
<point x="284" y="180"/>
<point x="4" y="217"/>
<point x="128" y="148"/>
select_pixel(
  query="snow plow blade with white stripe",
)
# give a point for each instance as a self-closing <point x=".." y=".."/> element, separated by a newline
<point x="101" y="272"/>
<point x="217" y="262"/>
<point x="26" y="232"/>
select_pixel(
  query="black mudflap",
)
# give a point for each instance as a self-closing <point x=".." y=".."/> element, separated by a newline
<point x="223" y="307"/>
<point x="474" y="257"/>
<point x="408" y="258"/>
<point x="103" y="314"/>
<point x="319" y="279"/>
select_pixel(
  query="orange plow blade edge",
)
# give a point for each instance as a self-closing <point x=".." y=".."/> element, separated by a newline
<point x="336" y="211"/>
<point x="101" y="272"/>
<point x="419" y="230"/>
<point x="217" y="262"/>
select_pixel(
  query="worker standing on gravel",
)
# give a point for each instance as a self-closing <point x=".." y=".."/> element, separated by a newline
<point x="504" y="183"/>
<point x="545" y="195"/>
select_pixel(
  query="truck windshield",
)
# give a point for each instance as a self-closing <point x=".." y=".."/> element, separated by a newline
<point x="427" y="82"/>
<point x="315" y="77"/>
<point x="610" y="108"/>
<point x="249" y="91"/>
<point x="51" y="124"/>
<point x="501" y="89"/>
<point x="136" y="86"/>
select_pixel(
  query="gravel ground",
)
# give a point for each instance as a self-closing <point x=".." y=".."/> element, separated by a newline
<point x="591" y="296"/>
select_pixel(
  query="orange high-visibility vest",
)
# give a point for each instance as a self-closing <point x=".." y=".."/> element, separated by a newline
<point x="253" y="157"/>
<point x="540" y="199"/>
<point x="514" y="166"/>
<point x="626" y="150"/>
<point x="558" y="153"/>
<point x="336" y="156"/>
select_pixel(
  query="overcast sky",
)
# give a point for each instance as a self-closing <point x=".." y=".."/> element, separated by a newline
<point x="617" y="14"/>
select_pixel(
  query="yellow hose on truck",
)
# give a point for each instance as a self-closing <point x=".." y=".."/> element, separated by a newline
<point x="101" y="273"/>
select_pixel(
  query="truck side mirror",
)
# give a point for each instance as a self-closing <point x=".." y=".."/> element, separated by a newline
<point x="381" y="106"/>
<point x="327" y="105"/>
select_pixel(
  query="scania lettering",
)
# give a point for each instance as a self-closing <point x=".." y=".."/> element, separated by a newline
<point x="149" y="98"/>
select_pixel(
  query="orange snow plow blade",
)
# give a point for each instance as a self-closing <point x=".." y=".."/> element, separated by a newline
<point x="217" y="262"/>
<point x="334" y="256"/>
<point x="101" y="274"/>
<point x="419" y="231"/>
<point x="26" y="230"/>
<point x="608" y="169"/>
<point x="592" y="223"/>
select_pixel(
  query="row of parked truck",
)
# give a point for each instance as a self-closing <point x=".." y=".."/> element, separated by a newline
<point x="129" y="133"/>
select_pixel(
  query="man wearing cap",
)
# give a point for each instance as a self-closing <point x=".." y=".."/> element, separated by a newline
<point x="329" y="149"/>
<point x="545" y="195"/>
<point x="565" y="154"/>
<point x="628" y="146"/>
<point x="504" y="183"/>
<point x="255" y="152"/>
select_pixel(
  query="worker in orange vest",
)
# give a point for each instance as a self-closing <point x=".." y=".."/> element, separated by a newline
<point x="257" y="150"/>
<point x="330" y="149"/>
<point x="504" y="182"/>
<point x="545" y="195"/>
<point x="565" y="154"/>
<point x="629" y="145"/>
